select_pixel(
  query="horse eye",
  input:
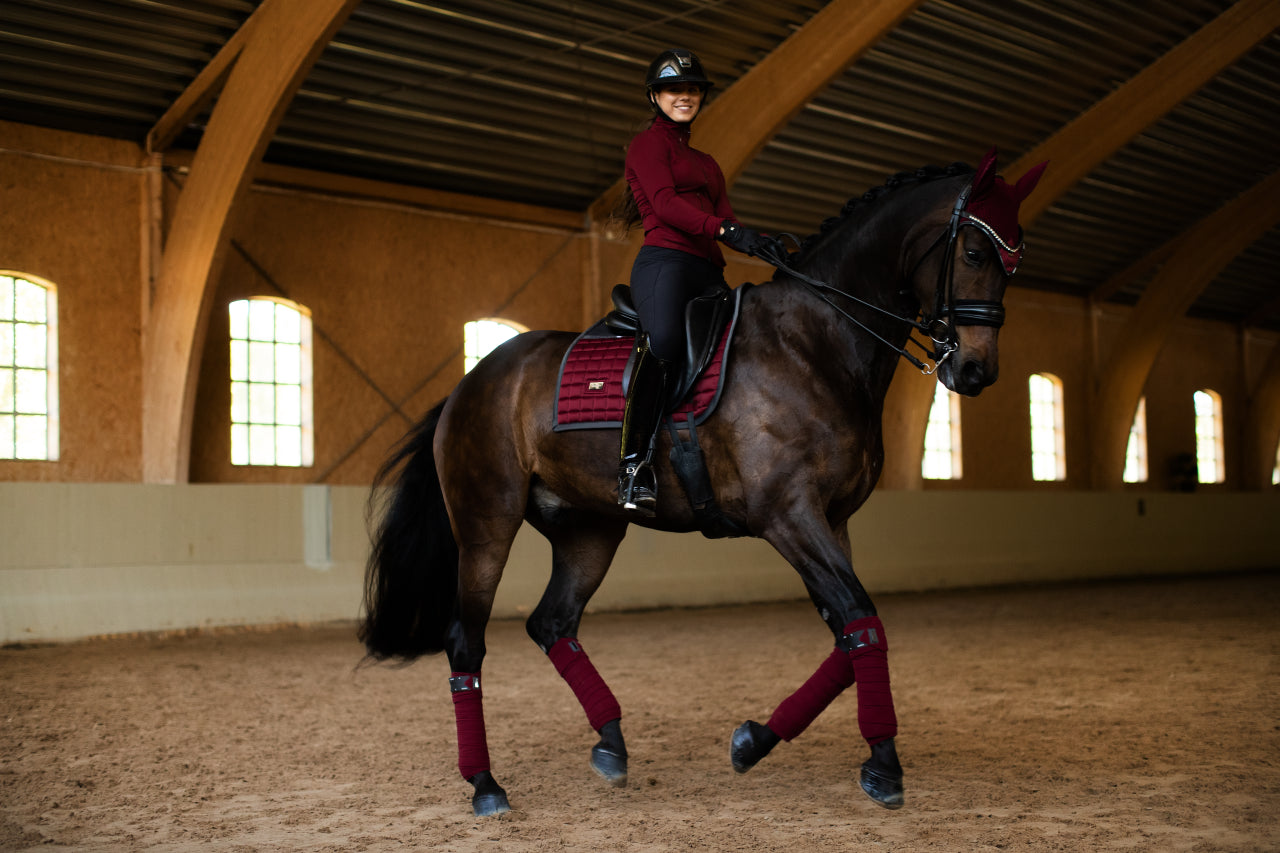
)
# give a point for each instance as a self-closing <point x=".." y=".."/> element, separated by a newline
<point x="975" y="256"/>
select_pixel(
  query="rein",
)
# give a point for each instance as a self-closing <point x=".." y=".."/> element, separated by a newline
<point x="957" y="312"/>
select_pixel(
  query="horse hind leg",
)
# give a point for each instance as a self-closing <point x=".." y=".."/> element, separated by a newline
<point x="480" y="568"/>
<point x="582" y="550"/>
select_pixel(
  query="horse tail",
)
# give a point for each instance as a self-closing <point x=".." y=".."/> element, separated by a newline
<point x="411" y="580"/>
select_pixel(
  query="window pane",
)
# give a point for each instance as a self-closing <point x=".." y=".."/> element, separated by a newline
<point x="262" y="320"/>
<point x="288" y="368"/>
<point x="289" y="405"/>
<point x="32" y="437"/>
<point x="239" y="444"/>
<point x="32" y="392"/>
<point x="261" y="362"/>
<point x="6" y="390"/>
<point x="1047" y="437"/>
<point x="239" y="311"/>
<point x="6" y="344"/>
<point x="32" y="348"/>
<point x="239" y="361"/>
<point x="262" y="445"/>
<point x="239" y="402"/>
<point x="262" y="404"/>
<point x="288" y="325"/>
<point x="6" y="437"/>
<point x="30" y="302"/>
<point x="289" y="446"/>
<point x="6" y="297"/>
<point x="1135" y="454"/>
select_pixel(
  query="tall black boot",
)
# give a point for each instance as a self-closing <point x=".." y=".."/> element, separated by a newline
<point x="646" y="398"/>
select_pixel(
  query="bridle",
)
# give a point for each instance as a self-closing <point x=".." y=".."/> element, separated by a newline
<point x="948" y="312"/>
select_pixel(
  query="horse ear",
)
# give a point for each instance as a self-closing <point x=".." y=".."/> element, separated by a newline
<point x="1028" y="182"/>
<point x="986" y="176"/>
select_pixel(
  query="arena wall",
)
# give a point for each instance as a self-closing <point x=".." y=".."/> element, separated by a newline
<point x="96" y="559"/>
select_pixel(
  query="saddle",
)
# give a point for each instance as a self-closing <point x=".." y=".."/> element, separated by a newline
<point x="705" y="319"/>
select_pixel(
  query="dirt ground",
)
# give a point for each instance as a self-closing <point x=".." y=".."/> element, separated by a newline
<point x="1139" y="715"/>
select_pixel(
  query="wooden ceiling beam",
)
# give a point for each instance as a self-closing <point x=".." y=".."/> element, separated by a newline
<point x="202" y="90"/>
<point x="1096" y="134"/>
<point x="741" y="120"/>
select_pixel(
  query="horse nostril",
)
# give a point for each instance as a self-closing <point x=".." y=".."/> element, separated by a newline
<point x="974" y="375"/>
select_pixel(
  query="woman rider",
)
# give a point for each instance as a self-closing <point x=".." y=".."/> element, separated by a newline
<point x="677" y="193"/>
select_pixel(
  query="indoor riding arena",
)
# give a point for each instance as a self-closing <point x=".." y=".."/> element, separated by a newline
<point x="251" y="250"/>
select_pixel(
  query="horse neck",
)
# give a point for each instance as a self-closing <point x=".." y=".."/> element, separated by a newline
<point x="864" y="259"/>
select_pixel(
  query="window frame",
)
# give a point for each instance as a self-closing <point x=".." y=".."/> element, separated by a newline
<point x="50" y="417"/>
<point x="932" y="458"/>
<point x="1213" y="442"/>
<point x="1056" y="407"/>
<point x="243" y="400"/>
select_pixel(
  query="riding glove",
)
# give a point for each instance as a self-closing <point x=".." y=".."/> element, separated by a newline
<point x="751" y="242"/>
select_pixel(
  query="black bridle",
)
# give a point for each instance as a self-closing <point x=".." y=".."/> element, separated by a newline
<point x="948" y="312"/>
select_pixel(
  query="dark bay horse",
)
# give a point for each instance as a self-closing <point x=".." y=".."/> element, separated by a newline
<point x="792" y="450"/>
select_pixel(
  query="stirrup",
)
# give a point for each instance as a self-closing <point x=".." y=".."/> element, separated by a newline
<point x="635" y="496"/>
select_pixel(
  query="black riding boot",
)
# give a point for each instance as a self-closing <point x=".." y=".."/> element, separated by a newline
<point x="646" y="398"/>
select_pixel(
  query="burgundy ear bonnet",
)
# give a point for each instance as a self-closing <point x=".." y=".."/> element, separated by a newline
<point x="993" y="207"/>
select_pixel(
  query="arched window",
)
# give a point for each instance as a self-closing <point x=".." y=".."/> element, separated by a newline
<point x="1275" y="472"/>
<point x="1135" y="455"/>
<point x="1048" y="437"/>
<point x="271" y="418"/>
<point x="1209" y="457"/>
<point x="479" y="337"/>
<point x="28" y="368"/>
<point x="942" y="437"/>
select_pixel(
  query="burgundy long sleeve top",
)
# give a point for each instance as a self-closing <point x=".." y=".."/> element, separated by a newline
<point x="679" y="190"/>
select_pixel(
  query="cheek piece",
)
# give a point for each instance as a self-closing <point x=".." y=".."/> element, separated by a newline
<point x="577" y="670"/>
<point x="468" y="712"/>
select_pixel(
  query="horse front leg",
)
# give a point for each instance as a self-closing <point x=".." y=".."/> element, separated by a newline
<point x="582" y="550"/>
<point x="822" y="557"/>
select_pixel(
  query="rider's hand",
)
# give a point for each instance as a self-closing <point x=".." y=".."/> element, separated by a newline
<point x="751" y="242"/>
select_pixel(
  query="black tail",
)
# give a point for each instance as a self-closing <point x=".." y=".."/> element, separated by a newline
<point x="412" y="577"/>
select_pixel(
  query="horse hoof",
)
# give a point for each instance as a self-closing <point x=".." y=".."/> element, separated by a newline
<point x="611" y="766"/>
<point x="883" y="787"/>
<point x="750" y="743"/>
<point x="489" y="805"/>
<point x="489" y="798"/>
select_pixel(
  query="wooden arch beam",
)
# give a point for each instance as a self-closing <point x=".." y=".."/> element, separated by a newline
<point x="1262" y="427"/>
<point x="1096" y="134"/>
<point x="1201" y="254"/>
<point x="285" y="38"/>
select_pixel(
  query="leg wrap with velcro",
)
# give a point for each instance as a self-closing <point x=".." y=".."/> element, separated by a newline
<point x="868" y="650"/>
<point x="468" y="712"/>
<point x="801" y="708"/>
<point x="576" y="668"/>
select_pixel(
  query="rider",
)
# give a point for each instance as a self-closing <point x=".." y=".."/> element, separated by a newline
<point x="677" y="193"/>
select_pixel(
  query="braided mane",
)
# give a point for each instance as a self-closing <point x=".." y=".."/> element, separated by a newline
<point x="919" y="176"/>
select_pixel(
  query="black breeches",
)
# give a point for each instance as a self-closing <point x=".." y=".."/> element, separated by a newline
<point x="662" y="283"/>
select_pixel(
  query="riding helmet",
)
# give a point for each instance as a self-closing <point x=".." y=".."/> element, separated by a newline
<point x="676" y="65"/>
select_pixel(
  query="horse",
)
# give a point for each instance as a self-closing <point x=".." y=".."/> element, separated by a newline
<point x="789" y="462"/>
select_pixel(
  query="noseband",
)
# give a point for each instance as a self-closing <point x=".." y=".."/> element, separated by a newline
<point x="948" y="312"/>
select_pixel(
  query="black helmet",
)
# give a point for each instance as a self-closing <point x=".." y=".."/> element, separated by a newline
<point x="676" y="65"/>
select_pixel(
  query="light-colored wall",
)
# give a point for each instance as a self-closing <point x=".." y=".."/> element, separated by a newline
<point x="80" y="560"/>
